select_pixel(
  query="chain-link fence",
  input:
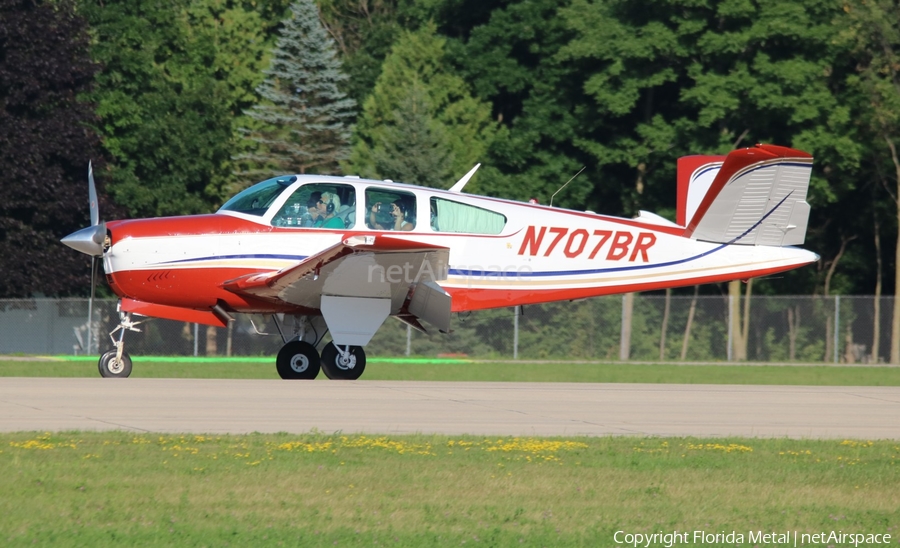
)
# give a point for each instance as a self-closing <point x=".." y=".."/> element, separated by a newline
<point x="639" y="327"/>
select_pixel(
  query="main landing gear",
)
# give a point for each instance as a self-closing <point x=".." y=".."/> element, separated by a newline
<point x="299" y="360"/>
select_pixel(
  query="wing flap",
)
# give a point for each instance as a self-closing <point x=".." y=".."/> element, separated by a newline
<point x="431" y="303"/>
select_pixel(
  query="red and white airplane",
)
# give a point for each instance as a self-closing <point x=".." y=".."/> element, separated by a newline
<point x="342" y="254"/>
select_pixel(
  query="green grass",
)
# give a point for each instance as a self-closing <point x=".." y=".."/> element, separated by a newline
<point x="462" y="370"/>
<point x="113" y="489"/>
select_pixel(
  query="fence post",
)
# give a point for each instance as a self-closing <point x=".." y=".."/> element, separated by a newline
<point x="408" y="339"/>
<point x="90" y="329"/>
<point x="516" y="333"/>
<point x="196" y="336"/>
<point x="730" y="327"/>
<point x="837" y="322"/>
<point x="625" y="333"/>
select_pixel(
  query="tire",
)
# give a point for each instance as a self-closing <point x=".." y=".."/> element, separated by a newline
<point x="336" y="368"/>
<point x="297" y="360"/>
<point x="110" y="368"/>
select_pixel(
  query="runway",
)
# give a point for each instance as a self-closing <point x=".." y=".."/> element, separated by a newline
<point x="453" y="408"/>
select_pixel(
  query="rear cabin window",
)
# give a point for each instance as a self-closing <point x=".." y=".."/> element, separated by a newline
<point x="450" y="216"/>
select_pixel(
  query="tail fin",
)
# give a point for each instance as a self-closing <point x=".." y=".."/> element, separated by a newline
<point x="753" y="196"/>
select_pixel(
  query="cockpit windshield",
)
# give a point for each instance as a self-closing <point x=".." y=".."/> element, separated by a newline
<point x="256" y="199"/>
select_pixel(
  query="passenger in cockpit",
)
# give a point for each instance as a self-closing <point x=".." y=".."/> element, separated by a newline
<point x="402" y="215"/>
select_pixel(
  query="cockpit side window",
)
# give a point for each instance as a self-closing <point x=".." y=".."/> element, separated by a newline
<point x="319" y="205"/>
<point x="257" y="199"/>
<point x="450" y="216"/>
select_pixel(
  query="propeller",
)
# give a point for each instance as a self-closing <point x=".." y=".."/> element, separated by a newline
<point x="89" y="241"/>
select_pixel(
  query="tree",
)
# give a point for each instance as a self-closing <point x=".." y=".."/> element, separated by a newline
<point x="415" y="76"/>
<point x="45" y="145"/>
<point x="672" y="79"/>
<point x="414" y="146"/>
<point x="364" y="31"/>
<point x="872" y="30"/>
<point x="303" y="121"/>
<point x="176" y="76"/>
<point x="509" y="58"/>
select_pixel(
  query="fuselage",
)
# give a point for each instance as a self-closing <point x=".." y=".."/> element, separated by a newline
<point x="502" y="253"/>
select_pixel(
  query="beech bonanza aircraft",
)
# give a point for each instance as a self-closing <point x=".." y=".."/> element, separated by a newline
<point x="341" y="254"/>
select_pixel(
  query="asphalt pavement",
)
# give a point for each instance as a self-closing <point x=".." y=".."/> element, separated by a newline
<point x="453" y="408"/>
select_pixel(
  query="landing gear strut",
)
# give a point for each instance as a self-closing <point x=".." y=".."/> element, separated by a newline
<point x="117" y="363"/>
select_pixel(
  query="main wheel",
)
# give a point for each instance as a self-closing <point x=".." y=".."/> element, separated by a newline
<point x="297" y="360"/>
<point x="348" y="367"/>
<point x="110" y="367"/>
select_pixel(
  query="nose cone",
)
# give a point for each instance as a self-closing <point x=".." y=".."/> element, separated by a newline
<point x="87" y="240"/>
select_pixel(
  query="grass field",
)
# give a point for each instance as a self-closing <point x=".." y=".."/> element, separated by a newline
<point x="462" y="370"/>
<point x="113" y="489"/>
<point x="123" y="489"/>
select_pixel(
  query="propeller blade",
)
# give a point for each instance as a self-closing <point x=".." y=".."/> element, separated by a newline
<point x="89" y="240"/>
<point x="92" y="196"/>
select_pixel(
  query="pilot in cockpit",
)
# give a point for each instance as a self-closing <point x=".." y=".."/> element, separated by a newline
<point x="327" y="205"/>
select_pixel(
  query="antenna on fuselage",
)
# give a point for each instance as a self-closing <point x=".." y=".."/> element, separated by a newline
<point x="465" y="179"/>
<point x="564" y="186"/>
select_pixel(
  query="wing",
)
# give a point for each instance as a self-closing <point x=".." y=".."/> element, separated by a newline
<point x="358" y="282"/>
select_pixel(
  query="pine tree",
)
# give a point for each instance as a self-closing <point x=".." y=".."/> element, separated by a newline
<point x="303" y="121"/>
<point x="450" y="117"/>
<point x="414" y="147"/>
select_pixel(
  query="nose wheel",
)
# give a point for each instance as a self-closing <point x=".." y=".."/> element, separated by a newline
<point x="344" y="363"/>
<point x="113" y="366"/>
<point x="297" y="360"/>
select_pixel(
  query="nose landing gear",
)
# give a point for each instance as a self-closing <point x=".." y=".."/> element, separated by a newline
<point x="117" y="363"/>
